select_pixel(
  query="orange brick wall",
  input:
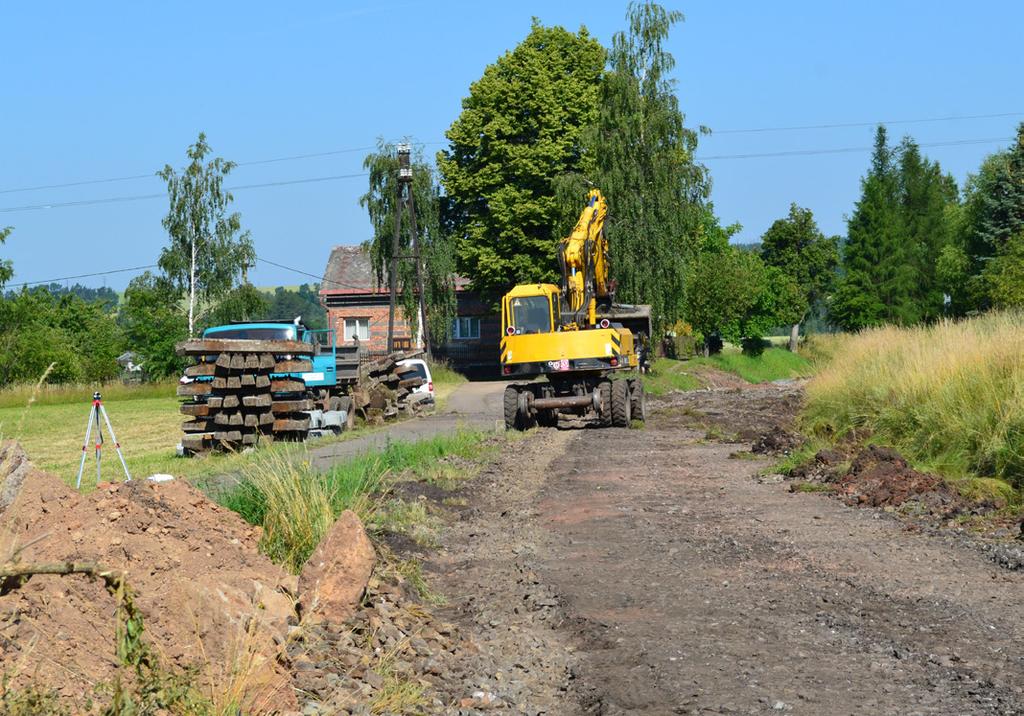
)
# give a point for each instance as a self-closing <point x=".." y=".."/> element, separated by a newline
<point x="378" y="317"/>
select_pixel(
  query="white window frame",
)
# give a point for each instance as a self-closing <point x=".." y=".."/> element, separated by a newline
<point x="361" y="326"/>
<point x="465" y="331"/>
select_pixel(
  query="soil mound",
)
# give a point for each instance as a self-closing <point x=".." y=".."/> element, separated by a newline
<point x="210" y="600"/>
<point x="879" y="476"/>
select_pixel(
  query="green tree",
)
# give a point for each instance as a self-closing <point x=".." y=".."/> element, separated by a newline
<point x="520" y="127"/>
<point x="1005" y="274"/>
<point x="436" y="251"/>
<point x="242" y="303"/>
<point x="153" y="322"/>
<point x="926" y="198"/>
<point x="6" y="267"/>
<point x="80" y="338"/>
<point x="797" y="247"/>
<point x="208" y="251"/>
<point x="287" y="304"/>
<point x="874" y="288"/>
<point x="979" y="271"/>
<point x="643" y="156"/>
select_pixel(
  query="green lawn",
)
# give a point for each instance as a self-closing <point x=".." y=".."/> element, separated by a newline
<point x="773" y="364"/>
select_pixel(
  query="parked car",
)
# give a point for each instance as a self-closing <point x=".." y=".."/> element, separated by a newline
<point x="421" y="370"/>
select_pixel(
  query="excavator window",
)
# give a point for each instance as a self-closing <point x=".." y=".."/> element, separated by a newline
<point x="531" y="314"/>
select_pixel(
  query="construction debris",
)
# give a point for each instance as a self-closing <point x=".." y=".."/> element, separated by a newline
<point x="386" y="390"/>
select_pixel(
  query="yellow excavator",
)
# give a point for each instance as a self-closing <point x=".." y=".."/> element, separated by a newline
<point x="589" y="349"/>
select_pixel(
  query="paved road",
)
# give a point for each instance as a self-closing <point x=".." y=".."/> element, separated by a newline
<point x="472" y="405"/>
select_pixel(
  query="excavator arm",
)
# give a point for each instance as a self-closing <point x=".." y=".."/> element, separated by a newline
<point x="583" y="256"/>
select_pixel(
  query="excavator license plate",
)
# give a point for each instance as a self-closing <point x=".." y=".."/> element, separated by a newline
<point x="559" y="364"/>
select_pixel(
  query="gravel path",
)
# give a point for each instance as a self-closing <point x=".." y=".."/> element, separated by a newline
<point x="647" y="571"/>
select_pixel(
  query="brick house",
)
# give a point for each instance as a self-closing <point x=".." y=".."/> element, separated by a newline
<point x="357" y="307"/>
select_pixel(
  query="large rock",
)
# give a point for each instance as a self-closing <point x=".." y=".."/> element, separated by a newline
<point x="14" y="467"/>
<point x="334" y="579"/>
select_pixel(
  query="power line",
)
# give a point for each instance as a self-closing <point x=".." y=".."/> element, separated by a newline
<point x="866" y="124"/>
<point x="845" y="150"/>
<point x="318" y="277"/>
<point x="152" y="175"/>
<point x="83" y="275"/>
<point x="141" y="197"/>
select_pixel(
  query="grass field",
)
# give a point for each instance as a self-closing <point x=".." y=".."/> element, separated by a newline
<point x="950" y="396"/>
<point x="145" y="418"/>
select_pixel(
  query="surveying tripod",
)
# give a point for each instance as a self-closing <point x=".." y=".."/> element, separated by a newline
<point x="94" y="418"/>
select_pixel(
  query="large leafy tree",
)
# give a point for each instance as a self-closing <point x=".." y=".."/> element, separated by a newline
<point x="796" y="246"/>
<point x="979" y="269"/>
<point x="644" y="164"/>
<point x="436" y="251"/>
<point x="208" y="251"/>
<point x="153" y="322"/>
<point x="520" y="127"/>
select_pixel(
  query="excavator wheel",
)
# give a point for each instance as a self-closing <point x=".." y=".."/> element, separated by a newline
<point x="638" y="400"/>
<point x="620" y="403"/>
<point x="548" y="418"/>
<point x="604" y="394"/>
<point x="511" y="405"/>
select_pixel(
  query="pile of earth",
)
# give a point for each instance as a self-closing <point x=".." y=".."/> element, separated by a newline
<point x="880" y="476"/>
<point x="209" y="599"/>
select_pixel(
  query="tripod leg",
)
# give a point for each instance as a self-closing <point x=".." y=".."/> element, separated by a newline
<point x="99" y="443"/>
<point x="117" y="445"/>
<point x="85" y="445"/>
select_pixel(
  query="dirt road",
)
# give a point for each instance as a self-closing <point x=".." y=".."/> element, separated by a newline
<point x="472" y="405"/>
<point x="647" y="571"/>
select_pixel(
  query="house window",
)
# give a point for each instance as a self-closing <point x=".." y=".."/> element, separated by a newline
<point x="356" y="328"/>
<point x="466" y="328"/>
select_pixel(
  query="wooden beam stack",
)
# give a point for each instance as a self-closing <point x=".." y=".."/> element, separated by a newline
<point x="234" y="401"/>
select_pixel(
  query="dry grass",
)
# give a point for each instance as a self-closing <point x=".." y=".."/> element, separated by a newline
<point x="949" y="396"/>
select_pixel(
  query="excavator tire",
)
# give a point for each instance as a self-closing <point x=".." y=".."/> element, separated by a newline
<point x="620" y="403"/>
<point x="638" y="400"/>
<point x="604" y="394"/>
<point x="548" y="418"/>
<point x="511" y="405"/>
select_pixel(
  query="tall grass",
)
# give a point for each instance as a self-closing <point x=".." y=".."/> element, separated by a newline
<point x="296" y="504"/>
<point x="949" y="396"/>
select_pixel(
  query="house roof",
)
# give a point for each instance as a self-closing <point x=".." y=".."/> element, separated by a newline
<point x="350" y="271"/>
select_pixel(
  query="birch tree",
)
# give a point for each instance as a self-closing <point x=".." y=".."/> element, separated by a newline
<point x="208" y="251"/>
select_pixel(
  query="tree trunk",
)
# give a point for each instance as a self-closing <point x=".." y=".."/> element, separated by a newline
<point x="794" y="337"/>
<point x="192" y="294"/>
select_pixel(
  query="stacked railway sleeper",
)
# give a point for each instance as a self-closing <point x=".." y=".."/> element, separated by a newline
<point x="245" y="392"/>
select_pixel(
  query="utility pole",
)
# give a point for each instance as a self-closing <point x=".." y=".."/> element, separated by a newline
<point x="405" y="201"/>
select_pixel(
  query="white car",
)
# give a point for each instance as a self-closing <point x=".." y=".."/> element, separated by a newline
<point x="420" y="369"/>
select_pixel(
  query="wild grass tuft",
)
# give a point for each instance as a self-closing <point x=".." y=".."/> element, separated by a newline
<point x="297" y="504"/>
<point x="949" y="396"/>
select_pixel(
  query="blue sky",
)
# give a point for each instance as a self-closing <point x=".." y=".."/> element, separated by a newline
<point x="99" y="90"/>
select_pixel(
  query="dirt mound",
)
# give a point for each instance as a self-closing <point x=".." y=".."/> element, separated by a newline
<point x="777" y="441"/>
<point x="824" y="467"/>
<point x="210" y="600"/>
<point x="879" y="476"/>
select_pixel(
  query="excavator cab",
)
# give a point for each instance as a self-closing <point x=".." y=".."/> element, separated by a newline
<point x="531" y="309"/>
